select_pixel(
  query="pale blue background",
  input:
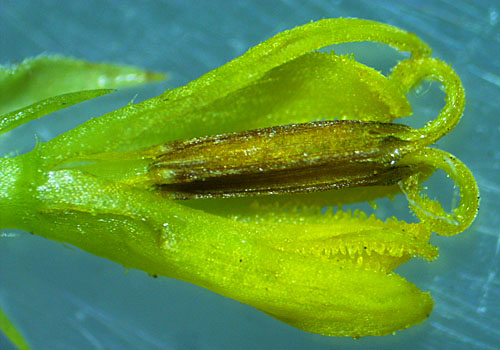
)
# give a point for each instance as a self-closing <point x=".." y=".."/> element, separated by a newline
<point x="64" y="298"/>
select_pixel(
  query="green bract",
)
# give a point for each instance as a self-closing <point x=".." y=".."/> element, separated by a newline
<point x="325" y="273"/>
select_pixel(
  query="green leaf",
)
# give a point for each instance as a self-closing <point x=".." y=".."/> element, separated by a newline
<point x="41" y="77"/>
<point x="13" y="334"/>
<point x="12" y="120"/>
